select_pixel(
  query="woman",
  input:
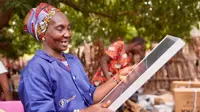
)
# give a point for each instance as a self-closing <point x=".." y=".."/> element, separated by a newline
<point x="54" y="81"/>
<point x="118" y="56"/>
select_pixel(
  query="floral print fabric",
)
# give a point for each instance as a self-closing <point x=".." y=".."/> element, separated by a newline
<point x="119" y="60"/>
<point x="37" y="20"/>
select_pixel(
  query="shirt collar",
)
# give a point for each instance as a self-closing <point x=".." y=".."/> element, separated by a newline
<point x="49" y="58"/>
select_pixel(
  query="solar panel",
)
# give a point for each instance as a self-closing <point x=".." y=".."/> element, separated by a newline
<point x="146" y="68"/>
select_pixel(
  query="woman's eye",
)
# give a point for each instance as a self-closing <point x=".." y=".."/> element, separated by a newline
<point x="69" y="27"/>
<point x="59" y="29"/>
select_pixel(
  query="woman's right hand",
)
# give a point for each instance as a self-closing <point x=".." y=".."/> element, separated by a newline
<point x="99" y="107"/>
<point x="125" y="71"/>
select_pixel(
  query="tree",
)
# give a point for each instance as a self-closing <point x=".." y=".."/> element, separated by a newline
<point x="110" y="19"/>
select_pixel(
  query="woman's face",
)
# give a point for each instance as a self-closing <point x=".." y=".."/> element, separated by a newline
<point x="58" y="33"/>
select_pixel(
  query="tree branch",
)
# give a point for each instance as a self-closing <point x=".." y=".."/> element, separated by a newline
<point x="71" y="4"/>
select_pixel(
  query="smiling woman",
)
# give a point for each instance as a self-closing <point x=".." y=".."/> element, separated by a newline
<point x="52" y="80"/>
<point x="57" y="35"/>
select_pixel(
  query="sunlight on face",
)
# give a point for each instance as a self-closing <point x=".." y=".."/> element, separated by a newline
<point x="58" y="33"/>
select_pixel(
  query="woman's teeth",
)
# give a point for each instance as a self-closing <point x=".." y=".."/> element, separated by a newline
<point x="64" y="43"/>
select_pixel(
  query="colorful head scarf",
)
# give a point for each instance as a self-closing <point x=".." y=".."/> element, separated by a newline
<point x="37" y="20"/>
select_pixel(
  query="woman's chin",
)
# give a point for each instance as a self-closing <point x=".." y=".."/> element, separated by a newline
<point x="64" y="49"/>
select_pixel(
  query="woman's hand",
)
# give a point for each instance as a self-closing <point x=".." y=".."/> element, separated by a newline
<point x="125" y="71"/>
<point x="99" y="107"/>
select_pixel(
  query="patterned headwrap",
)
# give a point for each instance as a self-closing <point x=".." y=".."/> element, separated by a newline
<point x="37" y="20"/>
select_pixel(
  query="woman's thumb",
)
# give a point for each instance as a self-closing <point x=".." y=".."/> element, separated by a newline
<point x="106" y="104"/>
<point x="126" y="70"/>
<point x="131" y="67"/>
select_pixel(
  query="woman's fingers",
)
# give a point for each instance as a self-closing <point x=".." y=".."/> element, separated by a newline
<point x="131" y="67"/>
<point x="99" y="107"/>
<point x="106" y="104"/>
<point x="126" y="70"/>
<point x="122" y="77"/>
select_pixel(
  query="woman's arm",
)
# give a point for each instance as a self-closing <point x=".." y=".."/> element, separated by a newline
<point x="103" y="89"/>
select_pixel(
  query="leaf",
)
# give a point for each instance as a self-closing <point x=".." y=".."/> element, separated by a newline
<point x="27" y="6"/>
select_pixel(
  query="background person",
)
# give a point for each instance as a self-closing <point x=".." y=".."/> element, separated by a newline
<point x="117" y="56"/>
<point x="4" y="83"/>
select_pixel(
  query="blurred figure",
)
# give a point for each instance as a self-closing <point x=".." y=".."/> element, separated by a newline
<point x="16" y="67"/>
<point x="15" y="78"/>
<point x="4" y="83"/>
<point x="117" y="56"/>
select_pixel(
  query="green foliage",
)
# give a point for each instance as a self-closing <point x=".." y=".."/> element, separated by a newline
<point x="110" y="19"/>
<point x="19" y="42"/>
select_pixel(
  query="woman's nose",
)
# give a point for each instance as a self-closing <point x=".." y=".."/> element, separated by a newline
<point x="67" y="34"/>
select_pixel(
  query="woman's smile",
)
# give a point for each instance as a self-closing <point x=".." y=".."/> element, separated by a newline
<point x="64" y="43"/>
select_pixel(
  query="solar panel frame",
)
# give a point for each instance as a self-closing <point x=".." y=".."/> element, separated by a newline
<point x="143" y="71"/>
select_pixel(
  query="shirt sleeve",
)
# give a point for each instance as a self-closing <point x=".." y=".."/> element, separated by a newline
<point x="113" y="50"/>
<point x="2" y="68"/>
<point x="35" y="91"/>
